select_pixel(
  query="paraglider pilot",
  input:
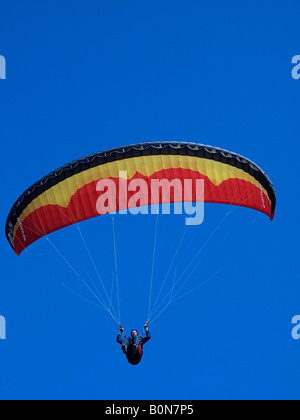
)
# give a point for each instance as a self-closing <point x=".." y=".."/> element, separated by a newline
<point x="133" y="346"/>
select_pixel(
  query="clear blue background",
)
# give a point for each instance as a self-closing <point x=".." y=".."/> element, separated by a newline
<point x="86" y="76"/>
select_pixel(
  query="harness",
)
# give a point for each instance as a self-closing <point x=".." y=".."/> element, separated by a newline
<point x="140" y="349"/>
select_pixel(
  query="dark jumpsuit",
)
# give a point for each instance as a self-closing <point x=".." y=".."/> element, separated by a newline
<point x="134" y="356"/>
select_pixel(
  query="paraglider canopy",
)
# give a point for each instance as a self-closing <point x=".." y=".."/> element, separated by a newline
<point x="69" y="194"/>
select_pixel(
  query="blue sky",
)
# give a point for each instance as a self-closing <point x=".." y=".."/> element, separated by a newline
<point x="86" y="76"/>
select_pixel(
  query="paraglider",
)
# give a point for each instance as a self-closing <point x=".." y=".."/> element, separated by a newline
<point x="120" y="179"/>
